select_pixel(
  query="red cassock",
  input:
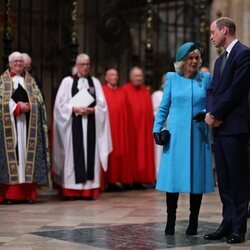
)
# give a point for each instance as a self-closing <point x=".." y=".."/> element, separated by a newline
<point x="121" y="161"/>
<point x="18" y="192"/>
<point x="88" y="193"/>
<point x="141" y="124"/>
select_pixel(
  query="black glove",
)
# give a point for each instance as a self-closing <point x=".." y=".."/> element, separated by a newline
<point x="200" y="116"/>
<point x="162" y="138"/>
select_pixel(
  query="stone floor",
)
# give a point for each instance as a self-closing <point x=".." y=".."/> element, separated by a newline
<point x="117" y="220"/>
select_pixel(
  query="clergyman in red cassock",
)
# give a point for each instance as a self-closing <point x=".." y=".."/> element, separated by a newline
<point x="141" y="123"/>
<point x="121" y="162"/>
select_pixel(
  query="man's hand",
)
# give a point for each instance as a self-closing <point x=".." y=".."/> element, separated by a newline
<point x="83" y="111"/>
<point x="211" y="121"/>
<point x="25" y="107"/>
<point x="217" y="123"/>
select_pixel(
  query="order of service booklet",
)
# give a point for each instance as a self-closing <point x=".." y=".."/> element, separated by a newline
<point x="82" y="99"/>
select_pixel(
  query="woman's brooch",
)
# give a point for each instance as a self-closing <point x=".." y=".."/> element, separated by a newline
<point x="199" y="80"/>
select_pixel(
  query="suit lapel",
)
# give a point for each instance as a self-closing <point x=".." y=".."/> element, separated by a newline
<point x="219" y="76"/>
<point x="228" y="62"/>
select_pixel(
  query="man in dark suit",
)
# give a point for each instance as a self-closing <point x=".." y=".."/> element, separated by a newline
<point x="227" y="107"/>
<point x="248" y="213"/>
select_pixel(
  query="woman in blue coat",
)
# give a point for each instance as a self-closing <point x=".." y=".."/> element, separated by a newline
<point x="186" y="162"/>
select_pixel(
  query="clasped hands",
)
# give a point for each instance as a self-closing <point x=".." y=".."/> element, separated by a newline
<point x="211" y="121"/>
<point x="83" y="111"/>
<point x="24" y="106"/>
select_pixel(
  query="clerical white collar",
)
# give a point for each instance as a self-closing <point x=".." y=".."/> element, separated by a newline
<point x="18" y="80"/>
<point x="230" y="46"/>
<point x="83" y="77"/>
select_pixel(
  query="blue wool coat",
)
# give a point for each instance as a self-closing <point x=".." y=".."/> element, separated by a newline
<point x="186" y="163"/>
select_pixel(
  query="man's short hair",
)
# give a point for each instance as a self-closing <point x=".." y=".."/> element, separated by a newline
<point x="112" y="68"/>
<point x="82" y="56"/>
<point x="13" y="55"/>
<point x="226" y="22"/>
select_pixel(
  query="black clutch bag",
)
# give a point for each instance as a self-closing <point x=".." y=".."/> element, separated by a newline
<point x="200" y="116"/>
<point x="20" y="95"/>
<point x="162" y="138"/>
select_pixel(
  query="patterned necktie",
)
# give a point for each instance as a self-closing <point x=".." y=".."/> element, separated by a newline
<point x="224" y="59"/>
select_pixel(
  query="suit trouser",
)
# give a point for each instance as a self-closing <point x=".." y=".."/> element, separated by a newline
<point x="232" y="173"/>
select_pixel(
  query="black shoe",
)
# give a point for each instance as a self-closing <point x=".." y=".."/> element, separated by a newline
<point x="170" y="228"/>
<point x="117" y="187"/>
<point x="30" y="202"/>
<point x="217" y="235"/>
<point x="8" y="202"/>
<point x="169" y="231"/>
<point x="235" y="238"/>
<point x="139" y="186"/>
<point x="127" y="187"/>
<point x="192" y="229"/>
<point x="69" y="198"/>
<point x="248" y="213"/>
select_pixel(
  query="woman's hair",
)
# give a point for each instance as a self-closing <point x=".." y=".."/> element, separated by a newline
<point x="179" y="66"/>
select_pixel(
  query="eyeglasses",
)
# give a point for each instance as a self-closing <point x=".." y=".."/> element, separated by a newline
<point x="83" y="64"/>
<point x="17" y="61"/>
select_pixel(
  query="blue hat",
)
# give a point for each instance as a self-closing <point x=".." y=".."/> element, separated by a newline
<point x="184" y="50"/>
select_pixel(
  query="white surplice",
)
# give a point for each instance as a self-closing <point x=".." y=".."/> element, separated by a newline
<point x="20" y="130"/>
<point x="63" y="161"/>
<point x="156" y="100"/>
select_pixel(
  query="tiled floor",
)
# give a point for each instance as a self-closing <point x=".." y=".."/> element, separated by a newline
<point x="121" y="220"/>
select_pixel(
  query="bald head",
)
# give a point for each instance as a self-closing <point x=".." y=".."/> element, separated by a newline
<point x="112" y="77"/>
<point x="136" y="76"/>
<point x="27" y="61"/>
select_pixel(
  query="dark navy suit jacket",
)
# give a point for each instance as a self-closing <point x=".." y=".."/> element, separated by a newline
<point x="227" y="98"/>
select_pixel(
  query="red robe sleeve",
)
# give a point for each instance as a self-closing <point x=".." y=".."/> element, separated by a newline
<point x="18" y="111"/>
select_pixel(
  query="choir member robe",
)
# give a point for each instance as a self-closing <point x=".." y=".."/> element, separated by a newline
<point x="121" y="163"/>
<point x="141" y="124"/>
<point x="63" y="155"/>
<point x="24" y="150"/>
<point x="156" y="100"/>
